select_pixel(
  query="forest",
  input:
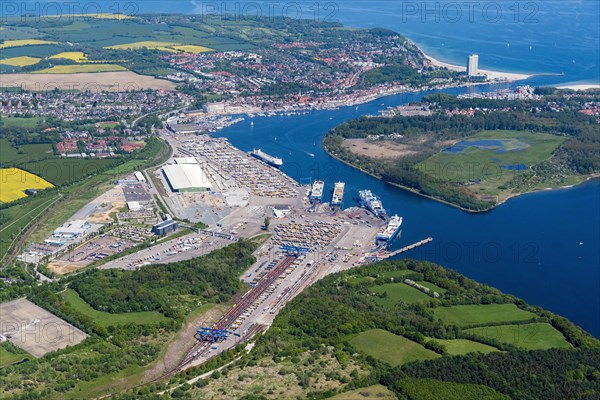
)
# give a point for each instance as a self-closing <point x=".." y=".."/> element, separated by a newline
<point x="323" y="326"/>
<point x="212" y="278"/>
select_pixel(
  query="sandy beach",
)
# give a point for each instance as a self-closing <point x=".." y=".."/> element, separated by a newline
<point x="509" y="76"/>
<point x="583" y="86"/>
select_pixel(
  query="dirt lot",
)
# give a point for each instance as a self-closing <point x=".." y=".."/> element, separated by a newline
<point x="62" y="267"/>
<point x="104" y="217"/>
<point x="35" y="330"/>
<point x="378" y="149"/>
<point x="94" y="82"/>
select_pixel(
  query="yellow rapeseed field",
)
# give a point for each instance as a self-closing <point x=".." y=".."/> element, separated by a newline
<point x="149" y="44"/>
<point x="81" y="68"/>
<point x="190" y="48"/>
<point x="24" y="42"/>
<point x="22" y="61"/>
<point x="77" y="56"/>
<point x="103" y="16"/>
<point x="162" y="46"/>
<point x="14" y="181"/>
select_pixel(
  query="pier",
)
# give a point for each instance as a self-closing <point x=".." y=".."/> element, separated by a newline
<point x="400" y="251"/>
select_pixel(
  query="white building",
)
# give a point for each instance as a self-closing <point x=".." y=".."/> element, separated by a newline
<point x="134" y="205"/>
<point x="72" y="229"/>
<point x="185" y="160"/>
<point x="186" y="178"/>
<point x="139" y="176"/>
<point x="473" y="65"/>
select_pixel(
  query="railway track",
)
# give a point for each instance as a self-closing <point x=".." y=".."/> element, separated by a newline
<point x="234" y="313"/>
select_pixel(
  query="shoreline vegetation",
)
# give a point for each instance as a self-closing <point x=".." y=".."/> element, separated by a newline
<point x="436" y="156"/>
<point x="584" y="179"/>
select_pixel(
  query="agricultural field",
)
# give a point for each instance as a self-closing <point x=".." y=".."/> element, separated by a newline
<point x="21" y="61"/>
<point x="399" y="293"/>
<point x="108" y="81"/>
<point x="370" y="392"/>
<point x="162" y="46"/>
<point x="456" y="347"/>
<point x="392" y="349"/>
<point x="535" y="336"/>
<point x="190" y="48"/>
<point x="77" y="56"/>
<point x="102" y="15"/>
<point x="431" y="389"/>
<point x="34" y="50"/>
<point x="24" y="42"/>
<point x="14" y="182"/>
<point x="489" y="159"/>
<point x="61" y="171"/>
<point x="108" y="319"/>
<point x="14" y="156"/>
<point x="482" y="314"/>
<point x="81" y="69"/>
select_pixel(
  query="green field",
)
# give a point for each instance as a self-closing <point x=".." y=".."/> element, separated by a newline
<point x="484" y="162"/>
<point x="62" y="171"/>
<point x="481" y="314"/>
<point x="20" y="122"/>
<point x="370" y="392"/>
<point x="399" y="293"/>
<point x="108" y="319"/>
<point x="432" y="287"/>
<point x="7" y="357"/>
<point x="431" y="389"/>
<point x="456" y="347"/>
<point x="535" y="336"/>
<point x="392" y="349"/>
<point x="397" y="274"/>
<point x="14" y="156"/>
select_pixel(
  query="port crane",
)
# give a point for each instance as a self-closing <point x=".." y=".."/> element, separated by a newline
<point x="211" y="335"/>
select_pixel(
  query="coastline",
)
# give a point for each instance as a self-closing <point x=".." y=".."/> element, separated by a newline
<point x="582" y="86"/>
<point x="492" y="75"/>
<point x="584" y="179"/>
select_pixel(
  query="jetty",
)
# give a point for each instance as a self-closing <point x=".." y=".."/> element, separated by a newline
<point x="386" y="255"/>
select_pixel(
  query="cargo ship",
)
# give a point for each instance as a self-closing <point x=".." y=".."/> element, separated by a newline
<point x="369" y="201"/>
<point x="390" y="231"/>
<point x="338" y="194"/>
<point x="267" y="159"/>
<point x="316" y="193"/>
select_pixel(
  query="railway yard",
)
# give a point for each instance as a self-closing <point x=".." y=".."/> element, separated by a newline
<point x="305" y="242"/>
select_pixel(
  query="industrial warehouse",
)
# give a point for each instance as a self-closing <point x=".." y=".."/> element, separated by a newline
<point x="186" y="178"/>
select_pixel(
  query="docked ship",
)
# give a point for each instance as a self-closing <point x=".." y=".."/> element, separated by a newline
<point x="338" y="194"/>
<point x="372" y="203"/>
<point x="390" y="231"/>
<point x="316" y="193"/>
<point x="266" y="158"/>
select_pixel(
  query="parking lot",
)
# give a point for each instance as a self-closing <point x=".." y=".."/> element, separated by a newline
<point x="183" y="248"/>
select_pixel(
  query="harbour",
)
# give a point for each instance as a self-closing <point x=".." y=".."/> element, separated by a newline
<point x="461" y="243"/>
